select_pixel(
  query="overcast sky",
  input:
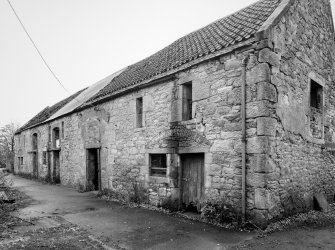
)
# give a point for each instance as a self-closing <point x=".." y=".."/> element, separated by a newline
<point x="83" y="41"/>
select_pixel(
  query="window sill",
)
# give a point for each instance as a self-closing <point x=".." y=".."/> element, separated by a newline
<point x="158" y="179"/>
<point x="188" y="122"/>
<point x="139" y="129"/>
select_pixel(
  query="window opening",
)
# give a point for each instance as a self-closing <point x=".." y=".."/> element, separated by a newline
<point x="62" y="130"/>
<point x="34" y="141"/>
<point x="187" y="101"/>
<point x="56" y="139"/>
<point x="158" y="165"/>
<point x="316" y="110"/>
<point x="139" y="112"/>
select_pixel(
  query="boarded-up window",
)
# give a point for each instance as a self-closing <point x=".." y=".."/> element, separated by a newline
<point x="139" y="112"/>
<point x="158" y="165"/>
<point x="187" y="102"/>
<point x="44" y="157"/>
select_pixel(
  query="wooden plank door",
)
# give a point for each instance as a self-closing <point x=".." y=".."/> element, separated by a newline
<point x="192" y="179"/>
<point x="93" y="173"/>
<point x="35" y="165"/>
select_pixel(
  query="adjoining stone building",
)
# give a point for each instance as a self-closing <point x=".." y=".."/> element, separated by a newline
<point x="241" y="110"/>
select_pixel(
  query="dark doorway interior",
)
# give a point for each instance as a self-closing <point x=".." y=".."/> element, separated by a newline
<point x="93" y="169"/>
<point x="56" y="168"/>
<point x="35" y="165"/>
<point x="192" y="181"/>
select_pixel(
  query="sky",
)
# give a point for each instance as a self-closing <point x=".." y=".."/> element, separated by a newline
<point x="84" y="41"/>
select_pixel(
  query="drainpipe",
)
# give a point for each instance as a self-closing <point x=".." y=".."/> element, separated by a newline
<point x="243" y="118"/>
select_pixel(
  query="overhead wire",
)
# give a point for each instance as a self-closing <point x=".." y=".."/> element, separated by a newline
<point x="35" y="46"/>
<point x="40" y="54"/>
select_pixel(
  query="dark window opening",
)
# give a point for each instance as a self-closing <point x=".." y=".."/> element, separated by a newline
<point x="49" y="133"/>
<point x="34" y="141"/>
<point x="316" y="96"/>
<point x="187" y="102"/>
<point x="56" y="139"/>
<point x="44" y="157"/>
<point x="62" y="130"/>
<point x="158" y="165"/>
<point x="139" y="112"/>
<point x="316" y="110"/>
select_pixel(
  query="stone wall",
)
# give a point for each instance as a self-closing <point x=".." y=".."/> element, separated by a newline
<point x="297" y="164"/>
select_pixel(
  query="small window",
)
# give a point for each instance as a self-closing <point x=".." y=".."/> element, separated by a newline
<point x="49" y="133"/>
<point x="35" y="141"/>
<point x="158" y="165"/>
<point x="44" y="157"/>
<point x="62" y="130"/>
<point x="187" y="102"/>
<point x="139" y="112"/>
<point x="21" y="160"/>
<point x="316" y="96"/>
<point x="56" y="139"/>
<point x="316" y="110"/>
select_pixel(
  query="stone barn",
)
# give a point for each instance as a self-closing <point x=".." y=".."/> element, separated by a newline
<point x="241" y="111"/>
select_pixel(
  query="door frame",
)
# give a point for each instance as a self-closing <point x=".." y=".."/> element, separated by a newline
<point x="202" y="173"/>
<point x="99" y="166"/>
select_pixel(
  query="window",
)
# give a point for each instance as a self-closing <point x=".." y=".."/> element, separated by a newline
<point x="56" y="139"/>
<point x="44" y="157"/>
<point x="316" y="110"/>
<point x="158" y="165"/>
<point x="62" y="130"/>
<point x="20" y="160"/>
<point x="139" y="112"/>
<point x="49" y="133"/>
<point x="316" y="96"/>
<point x="34" y="139"/>
<point x="187" y="102"/>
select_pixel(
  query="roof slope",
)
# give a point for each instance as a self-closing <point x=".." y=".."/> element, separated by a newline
<point x="212" y="38"/>
<point x="47" y="112"/>
<point x="83" y="96"/>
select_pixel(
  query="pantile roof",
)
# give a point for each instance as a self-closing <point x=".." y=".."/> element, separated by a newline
<point x="47" y="112"/>
<point x="212" y="38"/>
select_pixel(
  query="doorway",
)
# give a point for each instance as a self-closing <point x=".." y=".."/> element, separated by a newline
<point x="35" y="165"/>
<point x="56" y="168"/>
<point x="93" y="169"/>
<point x="192" y="181"/>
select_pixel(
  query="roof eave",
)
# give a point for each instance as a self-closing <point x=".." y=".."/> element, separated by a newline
<point x="147" y="82"/>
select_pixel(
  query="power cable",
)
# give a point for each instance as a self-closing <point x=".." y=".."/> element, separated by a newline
<point x="38" y="51"/>
<point x="42" y="57"/>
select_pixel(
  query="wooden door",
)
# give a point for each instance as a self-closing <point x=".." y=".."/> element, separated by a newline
<point x="56" y="170"/>
<point x="35" y="165"/>
<point x="93" y="173"/>
<point x="192" y="179"/>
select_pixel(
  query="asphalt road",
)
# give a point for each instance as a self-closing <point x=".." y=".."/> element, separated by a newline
<point x="129" y="228"/>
